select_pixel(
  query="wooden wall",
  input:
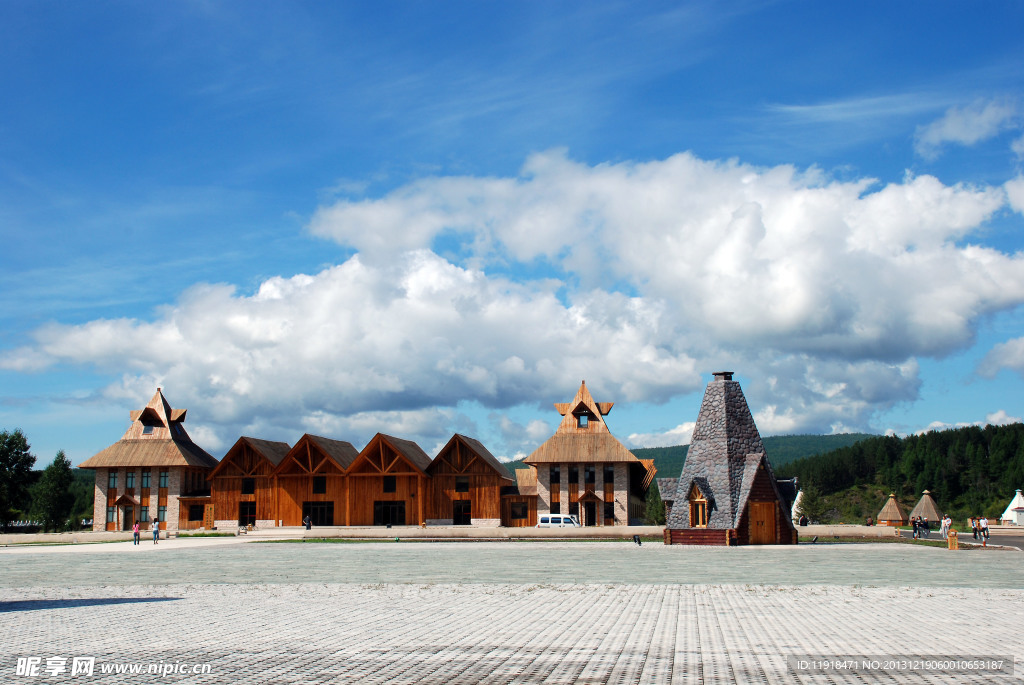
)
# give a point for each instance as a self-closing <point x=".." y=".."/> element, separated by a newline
<point x="484" y="484"/>
<point x="294" y="489"/>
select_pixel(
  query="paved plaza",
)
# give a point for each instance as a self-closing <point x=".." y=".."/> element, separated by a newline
<point x="509" y="612"/>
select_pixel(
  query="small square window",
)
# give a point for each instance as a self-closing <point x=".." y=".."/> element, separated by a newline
<point x="195" y="512"/>
<point x="147" y="430"/>
<point x="390" y="484"/>
<point x="319" y="485"/>
<point x="248" y="486"/>
<point x="461" y="483"/>
<point x="581" y="420"/>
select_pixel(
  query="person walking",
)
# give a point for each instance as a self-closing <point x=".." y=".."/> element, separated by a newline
<point x="156" y="532"/>
<point x="974" y="527"/>
<point x="307" y="522"/>
<point x="913" y="522"/>
<point x="983" y="530"/>
<point x="944" y="526"/>
<point x="135" y="533"/>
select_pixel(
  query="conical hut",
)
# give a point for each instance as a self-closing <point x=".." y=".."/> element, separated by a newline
<point x="891" y="514"/>
<point x="926" y="508"/>
<point x="1014" y="514"/>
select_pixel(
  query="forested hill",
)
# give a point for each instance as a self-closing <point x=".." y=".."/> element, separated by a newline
<point x="781" y="449"/>
<point x="970" y="469"/>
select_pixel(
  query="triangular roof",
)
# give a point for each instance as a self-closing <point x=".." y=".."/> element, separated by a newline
<point x="408" y="450"/>
<point x="316" y="454"/>
<point x="268" y="451"/>
<point x="474" y="447"/>
<point x="892" y="512"/>
<point x="1014" y="508"/>
<point x="154" y="438"/>
<point x="583" y="435"/>
<point x="724" y="457"/>
<point x="926" y="508"/>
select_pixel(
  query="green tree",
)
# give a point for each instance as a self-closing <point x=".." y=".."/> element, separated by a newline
<point x="654" y="514"/>
<point x="16" y="461"/>
<point x="811" y="504"/>
<point x="52" y="498"/>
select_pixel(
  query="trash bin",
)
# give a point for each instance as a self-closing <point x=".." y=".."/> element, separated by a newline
<point x="953" y="539"/>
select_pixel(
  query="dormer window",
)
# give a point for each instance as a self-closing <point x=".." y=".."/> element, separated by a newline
<point x="147" y="430"/>
<point x="581" y="420"/>
<point x="583" y="415"/>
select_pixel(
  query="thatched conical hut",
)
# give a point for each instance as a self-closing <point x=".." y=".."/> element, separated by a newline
<point x="926" y="508"/>
<point x="892" y="514"/>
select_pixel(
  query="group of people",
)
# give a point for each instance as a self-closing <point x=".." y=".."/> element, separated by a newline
<point x="979" y="527"/>
<point x="920" y="525"/>
<point x="135" y="533"/>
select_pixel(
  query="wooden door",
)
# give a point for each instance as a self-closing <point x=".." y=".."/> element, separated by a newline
<point x="762" y="523"/>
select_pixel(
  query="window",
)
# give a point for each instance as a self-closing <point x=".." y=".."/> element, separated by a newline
<point x="589" y="474"/>
<point x="129" y="479"/>
<point x="581" y="420"/>
<point x="195" y="512"/>
<point x="248" y="486"/>
<point x="609" y="510"/>
<point x="144" y="514"/>
<point x="389" y="513"/>
<point x="147" y="430"/>
<point x="390" y="483"/>
<point x="609" y="473"/>
<point x="574" y="508"/>
<point x="556" y="474"/>
<point x="518" y="511"/>
<point x="112" y="480"/>
<point x="461" y="483"/>
<point x="145" y="478"/>
<point x="111" y="514"/>
<point x="545" y="519"/>
<point x="163" y="479"/>
<point x="556" y="507"/>
<point x="319" y="485"/>
<point x="574" y="474"/>
<point x="161" y="514"/>
<point x="319" y="513"/>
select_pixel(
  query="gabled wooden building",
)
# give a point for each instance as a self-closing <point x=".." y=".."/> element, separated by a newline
<point x="244" y="489"/>
<point x="584" y="471"/>
<point x="154" y="474"/>
<point x="465" y="485"/>
<point x="727" y="492"/>
<point x="311" y="481"/>
<point x="387" y="484"/>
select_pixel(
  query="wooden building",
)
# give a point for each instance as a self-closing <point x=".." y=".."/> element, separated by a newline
<point x="584" y="471"/>
<point x="154" y="474"/>
<point x="892" y="513"/>
<point x="311" y="481"/>
<point x="387" y="484"/>
<point x="465" y="485"/>
<point x="925" y="508"/>
<point x="244" y="490"/>
<point x="727" y="492"/>
<point x="519" y="503"/>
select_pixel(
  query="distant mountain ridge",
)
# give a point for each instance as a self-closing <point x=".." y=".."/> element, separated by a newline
<point x="781" y="449"/>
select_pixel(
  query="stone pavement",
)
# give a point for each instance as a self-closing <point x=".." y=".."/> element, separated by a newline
<point x="552" y="612"/>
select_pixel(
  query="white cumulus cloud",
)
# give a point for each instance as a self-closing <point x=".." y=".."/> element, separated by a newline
<point x="967" y="125"/>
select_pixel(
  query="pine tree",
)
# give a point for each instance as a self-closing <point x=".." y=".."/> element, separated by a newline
<point x="654" y="514"/>
<point x="811" y="504"/>
<point x="16" y="463"/>
<point x="51" y="496"/>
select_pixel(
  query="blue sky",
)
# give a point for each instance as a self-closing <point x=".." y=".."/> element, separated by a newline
<point x="422" y="218"/>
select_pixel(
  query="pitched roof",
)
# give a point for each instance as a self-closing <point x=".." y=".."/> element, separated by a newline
<point x="892" y="511"/>
<point x="725" y="455"/>
<point x="155" y="437"/>
<point x="926" y="508"/>
<point x="477" y="448"/>
<point x="412" y="452"/>
<point x="270" y="450"/>
<point x="526" y="480"/>
<point x="343" y="453"/>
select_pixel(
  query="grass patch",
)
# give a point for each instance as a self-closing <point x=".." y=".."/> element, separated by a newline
<point x="205" y="535"/>
<point x="830" y="539"/>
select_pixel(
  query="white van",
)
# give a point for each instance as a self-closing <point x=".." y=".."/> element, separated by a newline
<point x="558" y="521"/>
